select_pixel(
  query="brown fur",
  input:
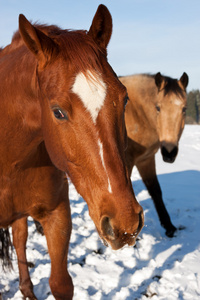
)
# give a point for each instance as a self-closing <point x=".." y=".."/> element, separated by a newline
<point x="155" y="118"/>
<point x="37" y="149"/>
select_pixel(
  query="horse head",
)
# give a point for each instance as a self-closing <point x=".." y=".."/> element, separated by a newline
<point x="171" y="111"/>
<point x="82" y="120"/>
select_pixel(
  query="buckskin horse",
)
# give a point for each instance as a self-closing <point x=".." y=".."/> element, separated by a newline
<point x="62" y="111"/>
<point x="154" y="118"/>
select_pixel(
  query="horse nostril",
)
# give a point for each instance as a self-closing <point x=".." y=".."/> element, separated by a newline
<point x="169" y="154"/>
<point x="106" y="228"/>
<point x="141" y="221"/>
<point x="175" y="151"/>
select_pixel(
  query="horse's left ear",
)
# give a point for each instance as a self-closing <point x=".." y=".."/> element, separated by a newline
<point x="160" y="81"/>
<point x="184" y="80"/>
<point x="38" y="43"/>
<point x="101" y="28"/>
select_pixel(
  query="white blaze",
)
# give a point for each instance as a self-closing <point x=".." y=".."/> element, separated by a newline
<point x="91" y="91"/>
<point x="103" y="163"/>
<point x="178" y="102"/>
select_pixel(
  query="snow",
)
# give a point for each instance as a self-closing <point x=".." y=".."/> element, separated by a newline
<point x="156" y="268"/>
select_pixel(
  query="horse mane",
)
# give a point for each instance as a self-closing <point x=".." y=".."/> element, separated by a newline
<point x="75" y="45"/>
<point x="171" y="84"/>
<point x="47" y="29"/>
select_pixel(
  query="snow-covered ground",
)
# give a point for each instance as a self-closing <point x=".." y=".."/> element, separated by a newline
<point x="156" y="268"/>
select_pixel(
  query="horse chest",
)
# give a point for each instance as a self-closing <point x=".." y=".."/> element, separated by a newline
<point x="14" y="196"/>
<point x="6" y="201"/>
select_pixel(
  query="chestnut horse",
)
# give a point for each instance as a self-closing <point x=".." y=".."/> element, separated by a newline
<point x="155" y="118"/>
<point x="62" y="111"/>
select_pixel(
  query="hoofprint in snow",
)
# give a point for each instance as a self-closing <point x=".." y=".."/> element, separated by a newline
<point x="156" y="268"/>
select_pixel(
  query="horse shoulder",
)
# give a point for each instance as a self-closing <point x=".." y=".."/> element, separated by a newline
<point x="44" y="184"/>
<point x="32" y="187"/>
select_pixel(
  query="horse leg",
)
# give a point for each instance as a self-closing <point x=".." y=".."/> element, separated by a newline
<point x="147" y="171"/>
<point x="57" y="229"/>
<point x="39" y="227"/>
<point x="20" y="233"/>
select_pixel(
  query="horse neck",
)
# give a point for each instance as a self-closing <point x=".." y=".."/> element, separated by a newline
<point x="21" y="123"/>
<point x="142" y="93"/>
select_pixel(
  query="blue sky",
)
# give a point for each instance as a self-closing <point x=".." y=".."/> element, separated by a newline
<point x="148" y="35"/>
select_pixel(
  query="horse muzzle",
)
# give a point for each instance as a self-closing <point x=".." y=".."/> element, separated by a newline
<point x="169" y="152"/>
<point x="117" y="238"/>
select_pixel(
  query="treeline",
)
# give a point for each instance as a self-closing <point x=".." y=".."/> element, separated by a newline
<point x="193" y="107"/>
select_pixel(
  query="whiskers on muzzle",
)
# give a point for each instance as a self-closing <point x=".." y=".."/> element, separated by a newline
<point x="117" y="238"/>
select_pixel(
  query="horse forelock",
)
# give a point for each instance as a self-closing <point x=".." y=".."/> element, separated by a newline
<point x="75" y="46"/>
<point x="81" y="51"/>
<point x="83" y="55"/>
<point x="172" y="86"/>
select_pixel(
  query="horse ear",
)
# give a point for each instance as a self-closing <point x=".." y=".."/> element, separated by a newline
<point x="184" y="80"/>
<point x="101" y="28"/>
<point x="37" y="42"/>
<point x="159" y="81"/>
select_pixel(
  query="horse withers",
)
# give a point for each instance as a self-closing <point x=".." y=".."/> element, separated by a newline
<point x="62" y="111"/>
<point x="155" y="119"/>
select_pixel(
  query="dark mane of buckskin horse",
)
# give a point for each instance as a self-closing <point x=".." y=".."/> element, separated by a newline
<point x="62" y="112"/>
<point x="155" y="119"/>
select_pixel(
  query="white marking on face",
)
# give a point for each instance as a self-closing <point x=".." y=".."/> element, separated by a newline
<point x="91" y="91"/>
<point x="103" y="163"/>
<point x="177" y="102"/>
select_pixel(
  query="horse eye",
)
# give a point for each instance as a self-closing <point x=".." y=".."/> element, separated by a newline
<point x="184" y="110"/>
<point x="126" y="100"/>
<point x="158" y="108"/>
<point x="59" y="114"/>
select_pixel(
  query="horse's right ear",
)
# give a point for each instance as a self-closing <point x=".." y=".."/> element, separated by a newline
<point x="159" y="81"/>
<point x="184" y="80"/>
<point x="37" y="42"/>
<point x="101" y="28"/>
